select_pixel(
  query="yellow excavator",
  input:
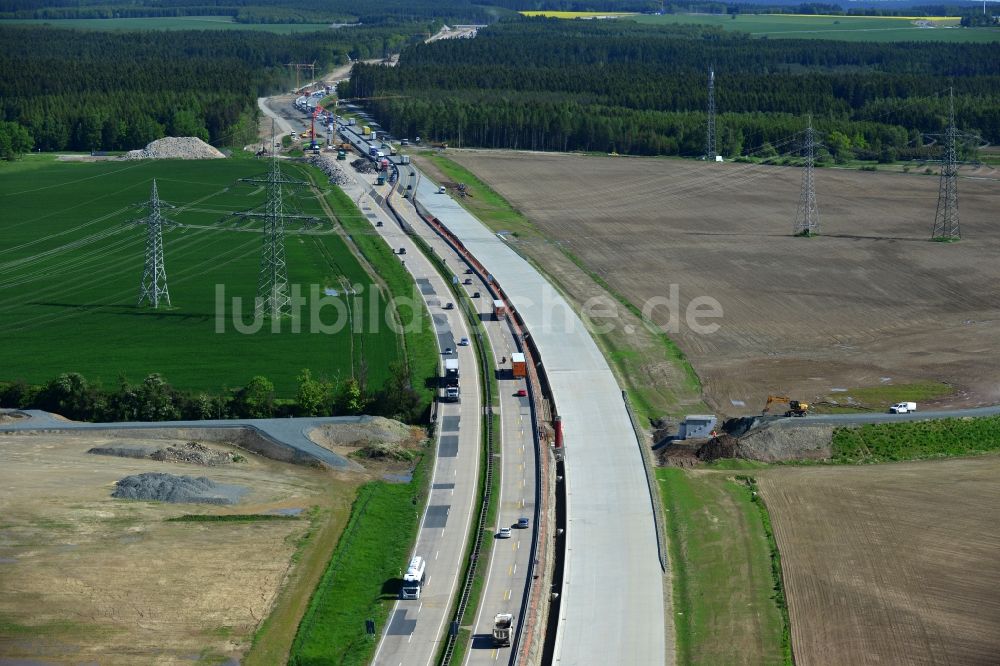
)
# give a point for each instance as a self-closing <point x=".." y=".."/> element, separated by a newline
<point x="795" y="407"/>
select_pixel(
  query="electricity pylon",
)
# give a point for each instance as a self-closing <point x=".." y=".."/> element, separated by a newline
<point x="710" y="143"/>
<point x="273" y="299"/>
<point x="154" y="277"/>
<point x="807" y="214"/>
<point x="946" y="226"/>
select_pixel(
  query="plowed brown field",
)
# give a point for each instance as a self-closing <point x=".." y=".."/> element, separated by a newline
<point x="869" y="302"/>
<point x="890" y="564"/>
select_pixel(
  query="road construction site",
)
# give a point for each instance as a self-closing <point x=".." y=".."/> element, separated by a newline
<point x="90" y="577"/>
<point x="869" y="302"/>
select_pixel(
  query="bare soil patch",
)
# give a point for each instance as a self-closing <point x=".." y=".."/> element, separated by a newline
<point x="383" y="446"/>
<point x="869" y="302"/>
<point x="890" y="564"/>
<point x="88" y="578"/>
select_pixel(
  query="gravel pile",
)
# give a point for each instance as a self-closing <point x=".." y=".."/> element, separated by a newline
<point x="182" y="147"/>
<point x="158" y="487"/>
<point x="121" y="451"/>
<point x="330" y="167"/>
<point x="192" y="452"/>
<point x="363" y="166"/>
<point x="195" y="453"/>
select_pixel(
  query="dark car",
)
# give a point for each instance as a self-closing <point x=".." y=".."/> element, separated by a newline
<point x="522" y="523"/>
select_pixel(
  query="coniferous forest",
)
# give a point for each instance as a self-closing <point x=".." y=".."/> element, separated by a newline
<point x="82" y="90"/>
<point x="546" y="84"/>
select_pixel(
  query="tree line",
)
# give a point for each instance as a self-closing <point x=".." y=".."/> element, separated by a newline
<point x="366" y="12"/>
<point x="81" y="90"/>
<point x="154" y="399"/>
<point x="546" y="84"/>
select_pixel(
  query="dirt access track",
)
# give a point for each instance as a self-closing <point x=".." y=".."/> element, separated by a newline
<point x="869" y="302"/>
<point x="85" y="578"/>
<point x="890" y="564"/>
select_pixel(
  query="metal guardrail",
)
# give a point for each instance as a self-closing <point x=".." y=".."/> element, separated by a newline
<point x="654" y="496"/>
<point x="487" y="496"/>
<point x="535" y="385"/>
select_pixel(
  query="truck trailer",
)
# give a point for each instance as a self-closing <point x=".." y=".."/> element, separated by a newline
<point x="518" y="365"/>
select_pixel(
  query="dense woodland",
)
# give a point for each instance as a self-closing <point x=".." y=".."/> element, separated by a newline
<point x="367" y="12"/>
<point x="121" y="90"/>
<point x="371" y="12"/>
<point x="618" y="86"/>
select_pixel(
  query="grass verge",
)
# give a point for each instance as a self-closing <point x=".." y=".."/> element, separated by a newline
<point x="916" y="440"/>
<point x="723" y="583"/>
<point x="419" y="340"/>
<point x="273" y="639"/>
<point x="649" y="399"/>
<point x="361" y="579"/>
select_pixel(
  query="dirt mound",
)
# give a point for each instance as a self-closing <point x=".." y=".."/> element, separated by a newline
<point x="384" y="451"/>
<point x="677" y="454"/>
<point x="192" y="452"/>
<point x="11" y="417"/>
<point x="159" y="487"/>
<point x="723" y="446"/>
<point x="787" y="442"/>
<point x="363" y="166"/>
<point x="377" y="429"/>
<point x="171" y="147"/>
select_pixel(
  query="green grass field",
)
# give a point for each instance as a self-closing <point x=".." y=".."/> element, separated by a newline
<point x="916" y="440"/>
<point x="851" y="28"/>
<point x="172" y="23"/>
<point x="71" y="264"/>
<point x="724" y="588"/>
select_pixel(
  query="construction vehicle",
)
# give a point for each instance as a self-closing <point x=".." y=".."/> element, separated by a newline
<point x="502" y="623"/>
<point x="795" y="407"/>
<point x="341" y="154"/>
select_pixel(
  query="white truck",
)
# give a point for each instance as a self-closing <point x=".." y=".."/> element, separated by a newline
<point x="502" y="623"/>
<point x="903" y="408"/>
<point x="413" y="579"/>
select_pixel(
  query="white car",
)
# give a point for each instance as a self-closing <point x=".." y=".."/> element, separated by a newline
<point x="503" y="533"/>
<point x="464" y="342"/>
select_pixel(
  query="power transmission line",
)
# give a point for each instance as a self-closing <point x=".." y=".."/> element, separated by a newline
<point x="807" y="214"/>
<point x="153" y="287"/>
<point x="946" y="226"/>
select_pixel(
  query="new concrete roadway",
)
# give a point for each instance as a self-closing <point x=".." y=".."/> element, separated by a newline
<point x="613" y="596"/>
